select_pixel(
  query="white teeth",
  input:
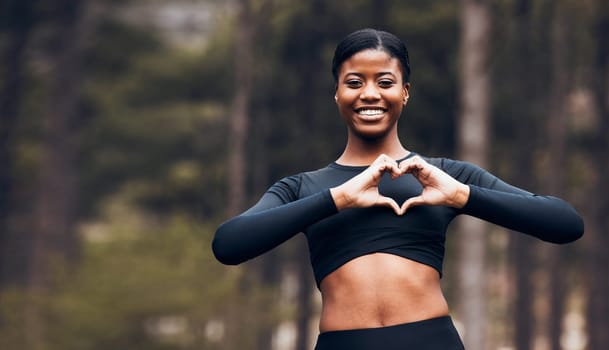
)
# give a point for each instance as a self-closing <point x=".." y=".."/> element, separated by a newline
<point x="371" y="111"/>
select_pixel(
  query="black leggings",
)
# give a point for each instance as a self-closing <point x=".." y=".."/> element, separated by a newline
<point x="433" y="334"/>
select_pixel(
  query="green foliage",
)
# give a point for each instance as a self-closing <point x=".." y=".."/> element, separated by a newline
<point x="152" y="111"/>
<point x="152" y="147"/>
<point x="131" y="279"/>
<point x="430" y="30"/>
<point x="140" y="284"/>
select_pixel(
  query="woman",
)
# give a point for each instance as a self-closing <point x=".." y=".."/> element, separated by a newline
<point x="376" y="218"/>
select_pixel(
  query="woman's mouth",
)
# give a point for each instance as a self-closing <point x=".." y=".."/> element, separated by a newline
<point x="370" y="114"/>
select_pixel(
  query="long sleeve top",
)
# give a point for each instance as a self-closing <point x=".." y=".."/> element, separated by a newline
<point x="303" y="203"/>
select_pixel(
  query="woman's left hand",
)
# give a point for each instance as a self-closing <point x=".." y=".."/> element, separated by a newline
<point x="439" y="188"/>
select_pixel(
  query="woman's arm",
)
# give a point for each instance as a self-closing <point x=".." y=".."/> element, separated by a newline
<point x="279" y="215"/>
<point x="267" y="224"/>
<point x="548" y="218"/>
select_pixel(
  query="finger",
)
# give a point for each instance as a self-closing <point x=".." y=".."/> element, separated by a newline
<point x="409" y="166"/>
<point x="393" y="169"/>
<point x="412" y="202"/>
<point x="396" y="171"/>
<point x="415" y="161"/>
<point x="422" y="171"/>
<point x="387" y="165"/>
<point x="388" y="202"/>
<point x="383" y="158"/>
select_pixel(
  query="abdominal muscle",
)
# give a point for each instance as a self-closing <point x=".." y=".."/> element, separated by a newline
<point x="378" y="290"/>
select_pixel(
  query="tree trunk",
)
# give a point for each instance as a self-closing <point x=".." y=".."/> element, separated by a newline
<point x="310" y="64"/>
<point x="523" y="299"/>
<point x="238" y="172"/>
<point x="473" y="145"/>
<point x="520" y="244"/>
<point x="555" y="181"/>
<point x="597" y="238"/>
<point x="305" y="289"/>
<point x="54" y="240"/>
<point x="239" y="118"/>
<point x="18" y="21"/>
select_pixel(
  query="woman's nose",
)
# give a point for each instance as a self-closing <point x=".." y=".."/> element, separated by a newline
<point x="370" y="92"/>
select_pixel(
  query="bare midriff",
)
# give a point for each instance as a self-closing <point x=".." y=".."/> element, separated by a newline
<point x="378" y="290"/>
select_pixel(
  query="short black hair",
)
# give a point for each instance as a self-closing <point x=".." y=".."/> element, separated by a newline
<point x="365" y="39"/>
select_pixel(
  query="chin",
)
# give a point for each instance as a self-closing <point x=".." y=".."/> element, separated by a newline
<point x="371" y="135"/>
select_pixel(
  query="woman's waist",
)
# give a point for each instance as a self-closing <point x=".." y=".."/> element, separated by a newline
<point x="434" y="333"/>
<point x="329" y="255"/>
<point x="380" y="313"/>
<point x="379" y="290"/>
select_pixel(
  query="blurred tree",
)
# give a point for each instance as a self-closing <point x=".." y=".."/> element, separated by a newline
<point x="524" y="130"/>
<point x="431" y="31"/>
<point x="129" y="89"/>
<point x="239" y="118"/>
<point x="262" y="273"/>
<point x="53" y="237"/>
<point x="473" y="136"/>
<point x="16" y="21"/>
<point x="535" y="77"/>
<point x="309" y="37"/>
<point x="556" y="181"/>
<point x="154" y="149"/>
<point x="598" y="259"/>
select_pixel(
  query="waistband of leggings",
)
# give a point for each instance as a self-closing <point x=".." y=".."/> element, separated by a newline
<point x="409" y="325"/>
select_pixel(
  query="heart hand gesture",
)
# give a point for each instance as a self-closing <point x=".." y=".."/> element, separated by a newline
<point x="362" y="191"/>
<point x="439" y="188"/>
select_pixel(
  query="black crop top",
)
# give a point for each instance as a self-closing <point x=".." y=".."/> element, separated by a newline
<point x="302" y="203"/>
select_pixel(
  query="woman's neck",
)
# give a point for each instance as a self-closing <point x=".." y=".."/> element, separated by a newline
<point x="364" y="152"/>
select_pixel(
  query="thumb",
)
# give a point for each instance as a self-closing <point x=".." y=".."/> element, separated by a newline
<point x="411" y="202"/>
<point x="388" y="202"/>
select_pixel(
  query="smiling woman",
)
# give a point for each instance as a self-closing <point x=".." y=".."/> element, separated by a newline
<point x="371" y="71"/>
<point x="370" y="94"/>
<point x="376" y="218"/>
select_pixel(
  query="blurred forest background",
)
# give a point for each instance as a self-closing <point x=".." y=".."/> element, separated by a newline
<point x="130" y="129"/>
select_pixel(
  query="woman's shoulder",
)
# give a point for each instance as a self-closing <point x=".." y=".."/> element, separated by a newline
<point x="459" y="169"/>
<point x="294" y="180"/>
<point x="446" y="163"/>
<point x="289" y="187"/>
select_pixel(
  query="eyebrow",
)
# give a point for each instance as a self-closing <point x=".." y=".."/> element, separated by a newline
<point x="379" y="74"/>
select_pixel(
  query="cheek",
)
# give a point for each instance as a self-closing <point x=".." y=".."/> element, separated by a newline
<point x="396" y="97"/>
<point x="345" y="99"/>
<point x="344" y="111"/>
<point x="345" y="94"/>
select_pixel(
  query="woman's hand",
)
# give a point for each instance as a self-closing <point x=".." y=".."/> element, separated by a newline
<point x="362" y="190"/>
<point x="439" y="188"/>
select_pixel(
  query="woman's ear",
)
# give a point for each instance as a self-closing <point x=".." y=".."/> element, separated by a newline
<point x="406" y="92"/>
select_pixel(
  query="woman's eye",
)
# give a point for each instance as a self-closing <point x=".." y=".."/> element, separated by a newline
<point x="385" y="83"/>
<point x="353" y="83"/>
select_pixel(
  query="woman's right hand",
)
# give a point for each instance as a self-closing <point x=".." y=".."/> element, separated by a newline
<point x="362" y="190"/>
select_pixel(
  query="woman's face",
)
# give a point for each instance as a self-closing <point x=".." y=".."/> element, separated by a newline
<point x="370" y="93"/>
